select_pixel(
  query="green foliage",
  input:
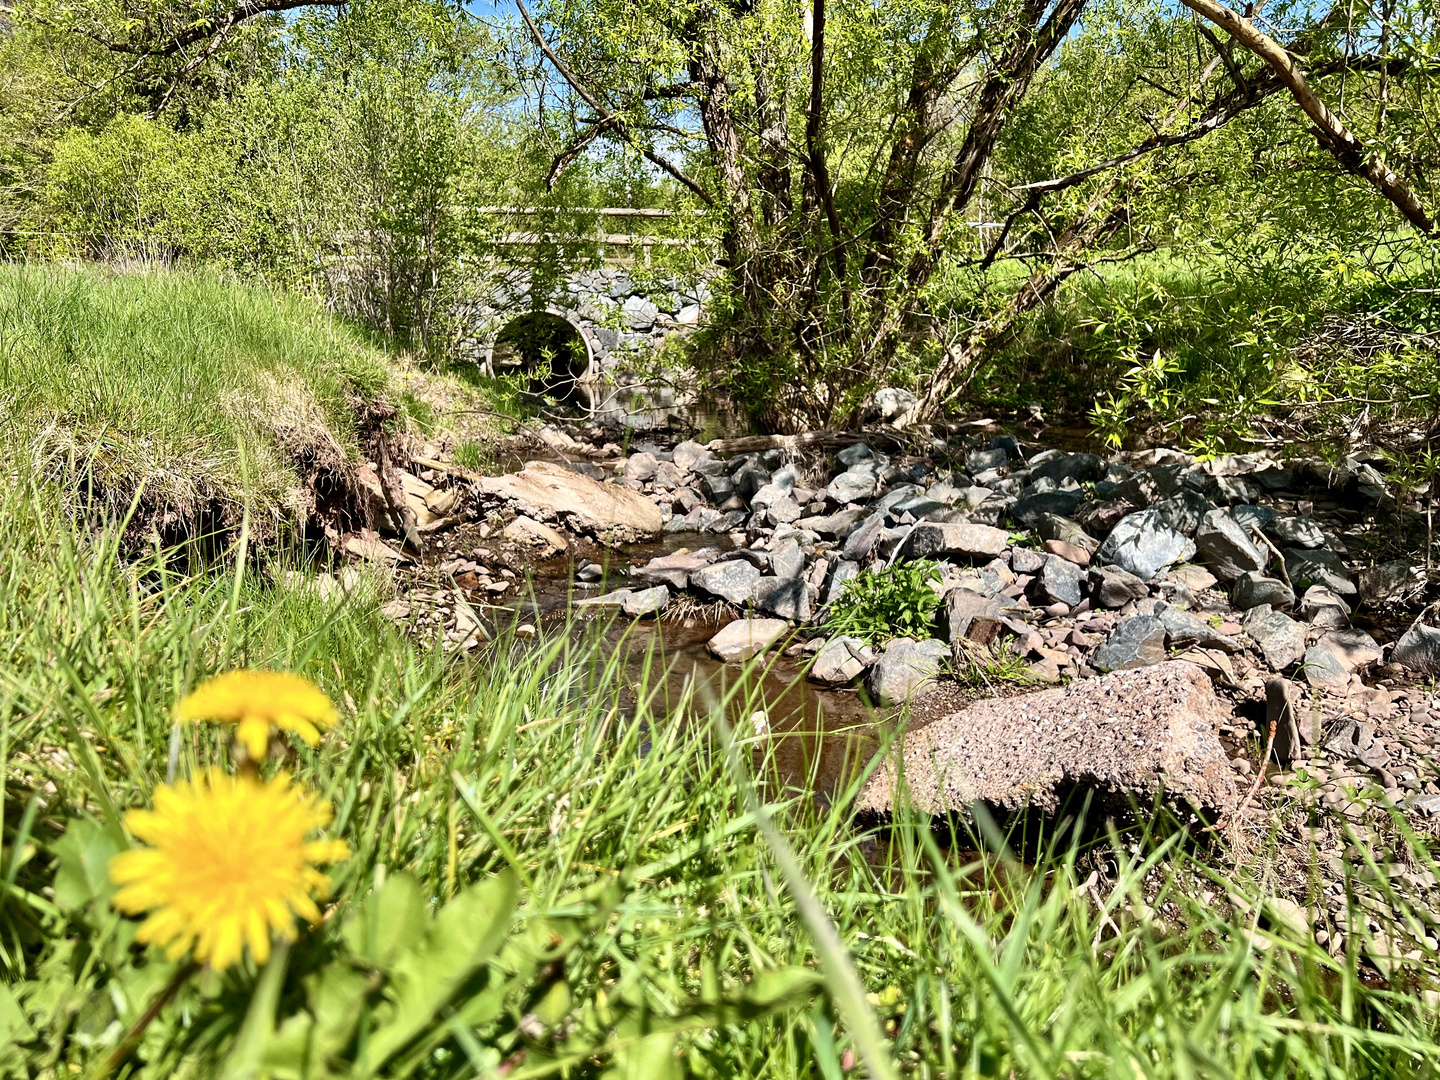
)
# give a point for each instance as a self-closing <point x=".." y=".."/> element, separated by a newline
<point x="897" y="601"/>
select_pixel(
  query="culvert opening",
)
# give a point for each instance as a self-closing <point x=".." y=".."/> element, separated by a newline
<point x="549" y="356"/>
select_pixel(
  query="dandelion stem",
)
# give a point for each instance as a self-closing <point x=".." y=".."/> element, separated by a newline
<point x="127" y="1045"/>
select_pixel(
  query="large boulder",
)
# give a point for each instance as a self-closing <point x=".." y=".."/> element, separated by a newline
<point x="1320" y="566"/>
<point x="549" y="492"/>
<point x="1143" y="545"/>
<point x="1135" y="642"/>
<point x="963" y="540"/>
<point x="1281" y="638"/>
<point x="905" y="669"/>
<point x="841" y="661"/>
<point x="734" y="580"/>
<point x="1225" y="547"/>
<point x="1127" y="736"/>
<point x="744" y="638"/>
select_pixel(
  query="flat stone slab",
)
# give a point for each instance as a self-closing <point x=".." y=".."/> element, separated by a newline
<point x="1126" y="735"/>
<point x="744" y="638"/>
<point x="609" y="512"/>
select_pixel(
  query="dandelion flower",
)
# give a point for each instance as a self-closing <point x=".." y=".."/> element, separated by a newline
<point x="229" y="864"/>
<point x="258" y="701"/>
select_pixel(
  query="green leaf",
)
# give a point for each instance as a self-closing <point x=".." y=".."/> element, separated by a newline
<point x="649" y="1058"/>
<point x="466" y="934"/>
<point x="14" y="1028"/>
<point x="389" y="922"/>
<point x="84" y="855"/>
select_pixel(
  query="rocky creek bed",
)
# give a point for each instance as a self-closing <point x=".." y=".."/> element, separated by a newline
<point x="1228" y="635"/>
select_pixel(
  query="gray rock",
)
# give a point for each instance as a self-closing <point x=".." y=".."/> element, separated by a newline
<point x="1299" y="532"/>
<point x="855" y="485"/>
<point x="1135" y="642"/>
<point x="1143" y="545"/>
<point x="1418" y="649"/>
<point x="1059" y="582"/>
<point x="641" y="467"/>
<point x="1281" y="638"/>
<point x="1321" y="667"/>
<point x="1356" y="742"/>
<point x="733" y="580"/>
<point x="635" y="603"/>
<point x="1066" y="531"/>
<point x="717" y="487"/>
<point x="1225" y="548"/>
<point x="970" y="615"/>
<point x="1253" y="517"/>
<point x="979" y="461"/>
<point x="674" y="570"/>
<point x="770" y="493"/>
<point x="1077" y="467"/>
<point x="834" y="526"/>
<point x="785" y="598"/>
<point x="1322" y="608"/>
<point x="905" y="669"/>
<point x="894" y="404"/>
<point x="841" y="661"/>
<point x="1025" y="560"/>
<point x="1151" y="486"/>
<point x="749" y="478"/>
<point x="993" y="510"/>
<point x="863" y="537"/>
<point x="788" y="561"/>
<point x="844" y="571"/>
<point x="1184" y="511"/>
<point x="1385" y="583"/>
<point x="1029" y="510"/>
<point x="1184" y="630"/>
<point x="744" y="638"/>
<point x="1112" y="587"/>
<point x="1354" y="649"/>
<point x="1318" y="567"/>
<point x="687" y="454"/>
<point x="783" y="511"/>
<point x="854" y="454"/>
<point x="1130" y="737"/>
<point x="964" y="540"/>
<point x="1254" y="588"/>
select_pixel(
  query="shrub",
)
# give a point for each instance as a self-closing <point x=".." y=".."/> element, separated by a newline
<point x="894" y="602"/>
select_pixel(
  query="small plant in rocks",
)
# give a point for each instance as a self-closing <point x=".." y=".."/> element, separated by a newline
<point x="897" y="601"/>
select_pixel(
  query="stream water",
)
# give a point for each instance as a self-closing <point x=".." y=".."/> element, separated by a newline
<point x="818" y="735"/>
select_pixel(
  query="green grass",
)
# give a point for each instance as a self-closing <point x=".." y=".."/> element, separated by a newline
<point x="194" y="387"/>
<point x="604" y="822"/>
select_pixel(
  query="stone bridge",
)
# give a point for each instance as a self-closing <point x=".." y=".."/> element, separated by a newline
<point x="598" y="331"/>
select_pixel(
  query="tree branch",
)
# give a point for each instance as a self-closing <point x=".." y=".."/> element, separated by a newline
<point x="621" y="128"/>
<point x="1347" y="149"/>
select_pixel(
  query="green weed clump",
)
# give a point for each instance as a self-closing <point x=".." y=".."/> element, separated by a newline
<point x="896" y="601"/>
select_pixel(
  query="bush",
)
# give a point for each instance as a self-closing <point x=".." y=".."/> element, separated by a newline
<point x="894" y="602"/>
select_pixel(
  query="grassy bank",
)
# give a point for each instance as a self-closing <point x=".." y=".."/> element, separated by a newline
<point x="544" y="878"/>
<point x="626" y="842"/>
<point x="196" y="388"/>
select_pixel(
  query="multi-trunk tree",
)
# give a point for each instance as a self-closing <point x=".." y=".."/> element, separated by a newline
<point x="894" y="185"/>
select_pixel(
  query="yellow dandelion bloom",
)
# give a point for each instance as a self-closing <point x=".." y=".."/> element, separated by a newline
<point x="230" y="864"/>
<point x="258" y="701"/>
